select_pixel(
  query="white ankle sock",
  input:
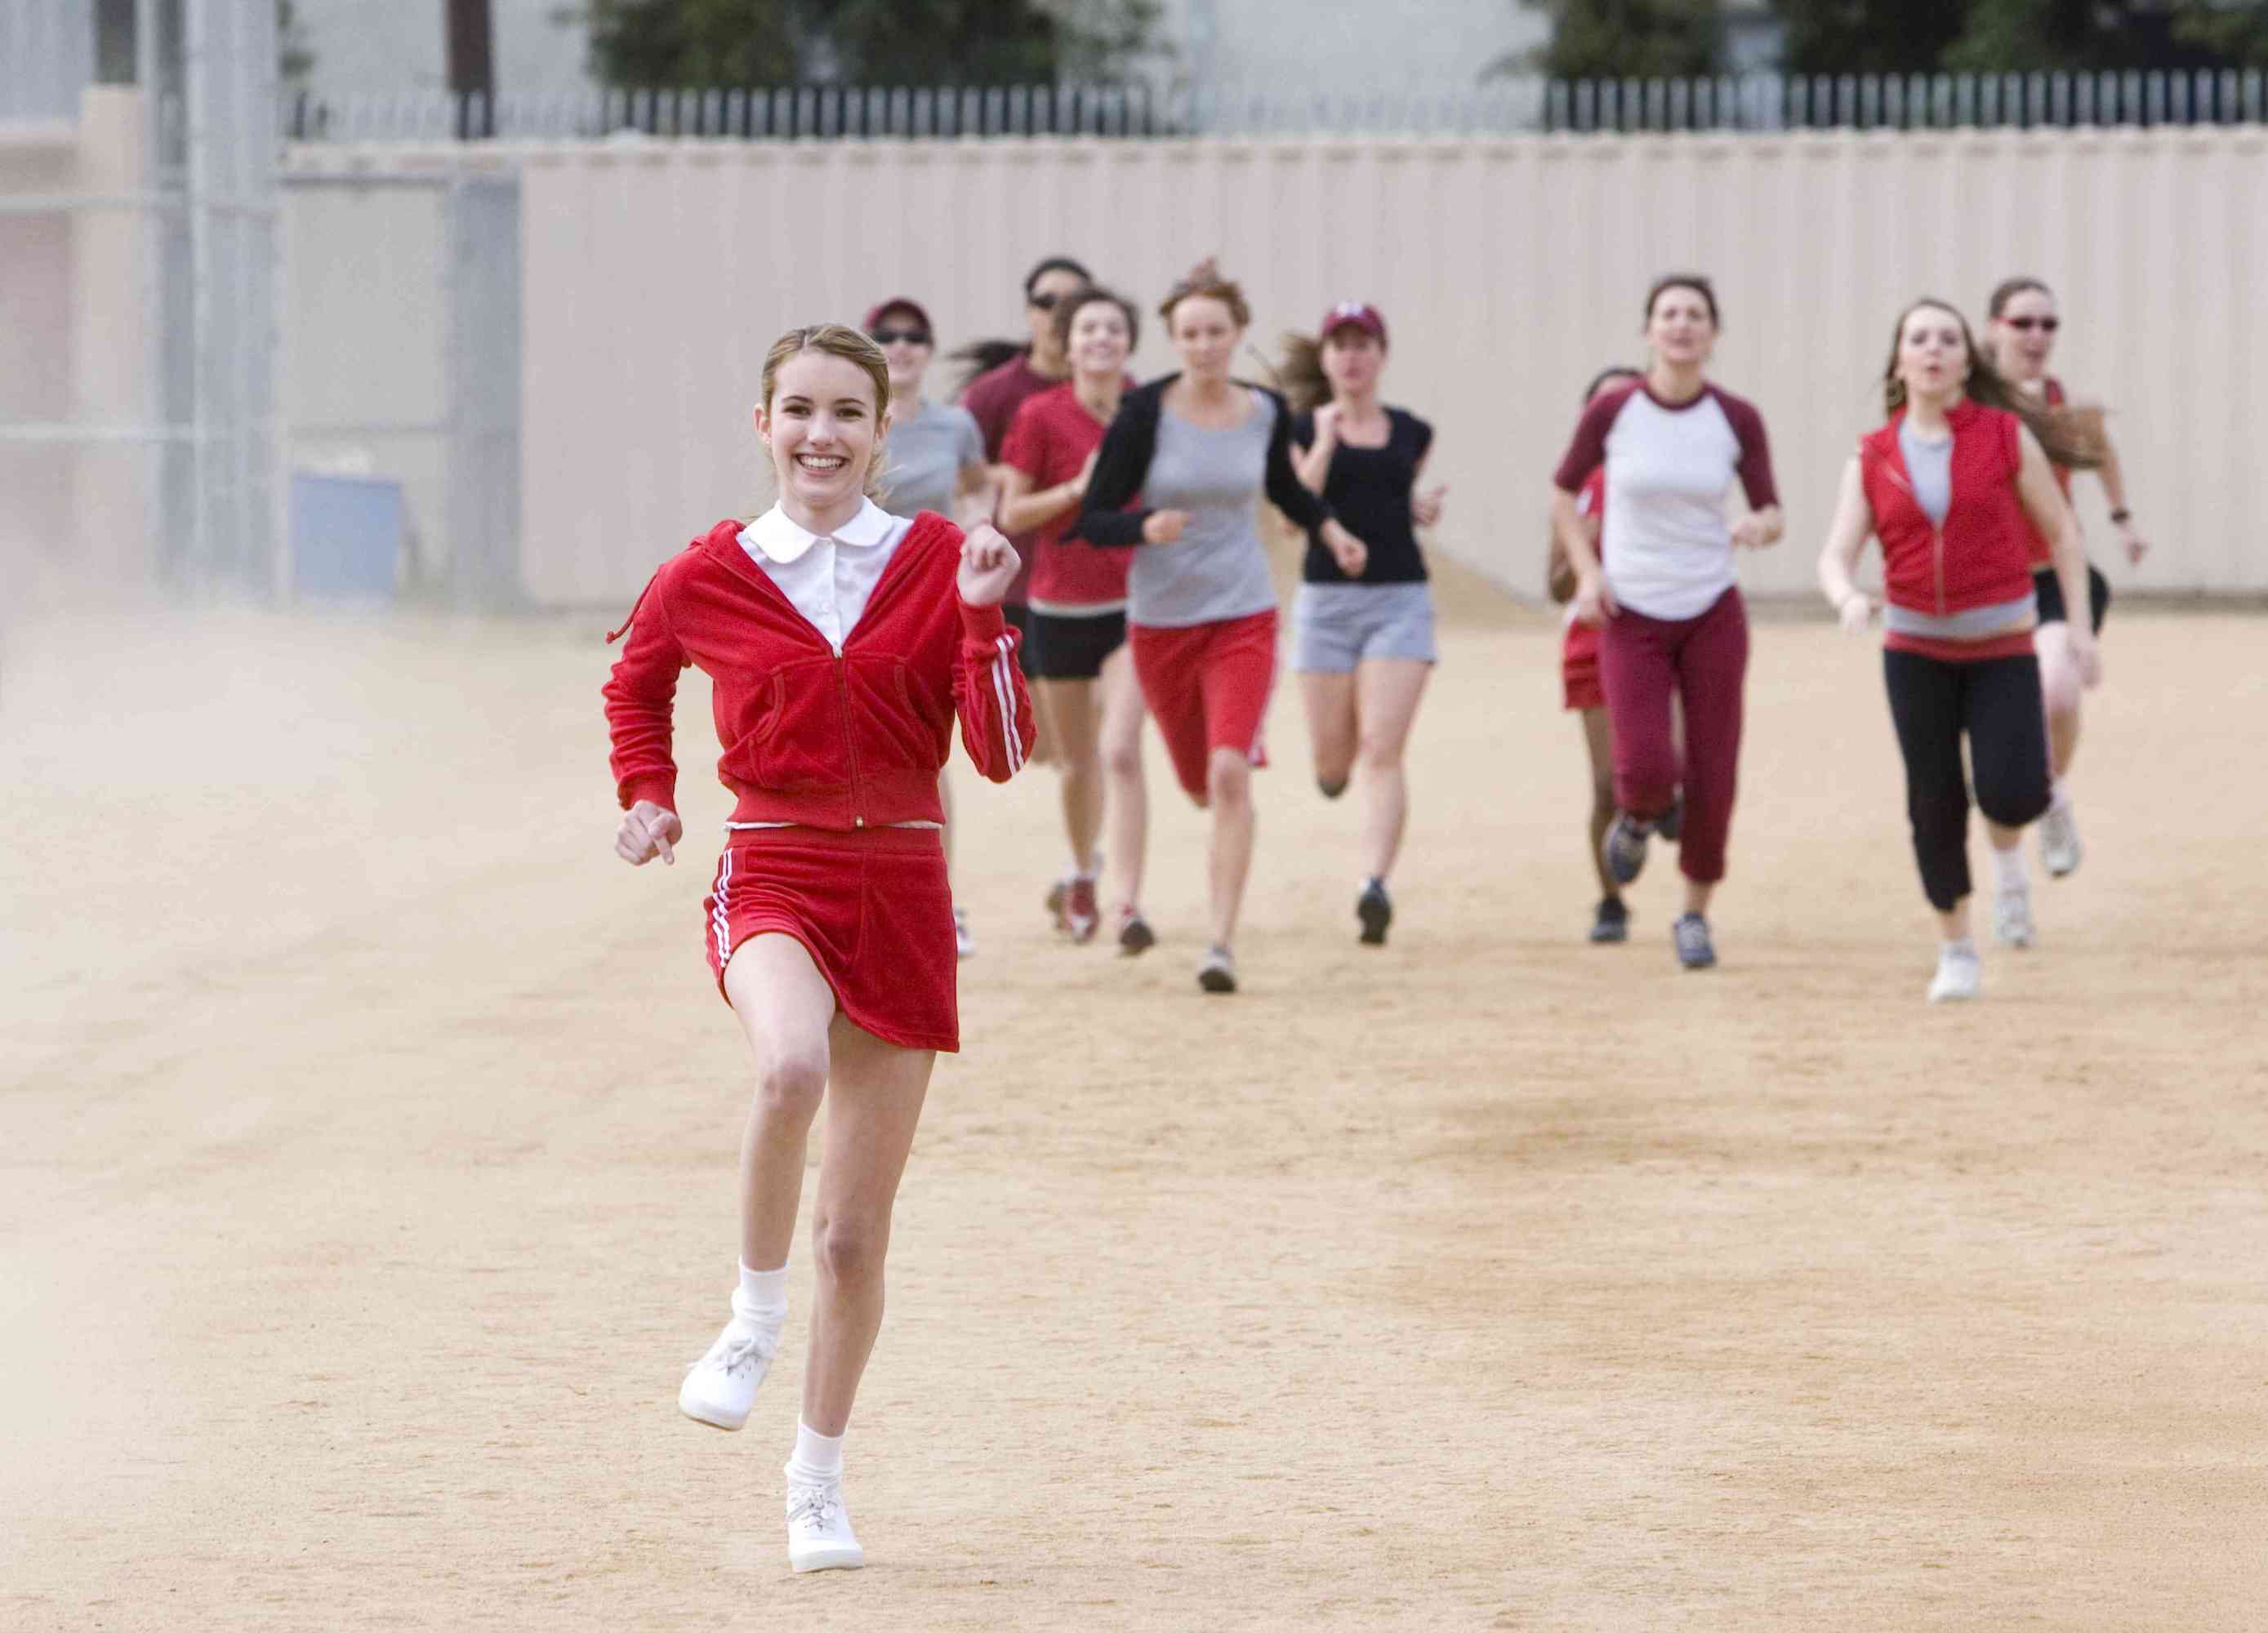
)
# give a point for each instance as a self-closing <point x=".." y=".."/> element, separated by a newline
<point x="762" y="1296"/>
<point x="2008" y="868"/>
<point x="818" y="1460"/>
<point x="2059" y="795"/>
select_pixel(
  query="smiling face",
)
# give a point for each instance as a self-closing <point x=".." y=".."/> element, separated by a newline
<point x="1932" y="357"/>
<point x="2024" y="334"/>
<point x="823" y="431"/>
<point x="1205" y="334"/>
<point x="1680" y="330"/>
<point x="1352" y="359"/>
<point x="1100" y="339"/>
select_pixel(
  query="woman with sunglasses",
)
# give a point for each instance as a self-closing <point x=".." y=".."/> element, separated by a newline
<point x="1080" y="664"/>
<point x="1661" y="590"/>
<point x="1954" y="486"/>
<point x="936" y="463"/>
<point x="1007" y="374"/>
<point x="1362" y="643"/>
<point x="1202" y="449"/>
<point x="2020" y="337"/>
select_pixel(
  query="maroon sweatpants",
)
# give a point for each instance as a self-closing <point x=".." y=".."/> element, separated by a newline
<point x="1704" y="663"/>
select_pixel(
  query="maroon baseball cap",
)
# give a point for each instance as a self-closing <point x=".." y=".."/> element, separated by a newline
<point x="1357" y="314"/>
<point x="897" y="303"/>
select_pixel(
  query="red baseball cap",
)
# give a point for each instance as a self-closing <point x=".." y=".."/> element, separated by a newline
<point x="897" y="303"/>
<point x="1356" y="314"/>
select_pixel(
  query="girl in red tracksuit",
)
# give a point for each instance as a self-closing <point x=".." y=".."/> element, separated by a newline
<point x="841" y="643"/>
<point x="1951" y="486"/>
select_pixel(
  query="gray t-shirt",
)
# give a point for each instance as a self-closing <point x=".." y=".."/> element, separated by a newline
<point x="1218" y="569"/>
<point x="1930" y="464"/>
<point x="925" y="453"/>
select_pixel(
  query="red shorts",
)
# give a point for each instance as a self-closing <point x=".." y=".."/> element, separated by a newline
<point x="1207" y="686"/>
<point x="872" y="908"/>
<point x="1578" y="668"/>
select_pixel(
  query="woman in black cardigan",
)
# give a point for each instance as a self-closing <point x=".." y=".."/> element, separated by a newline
<point x="1200" y="448"/>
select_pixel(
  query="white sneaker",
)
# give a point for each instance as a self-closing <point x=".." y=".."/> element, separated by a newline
<point x="2011" y="916"/>
<point x="819" y="1534"/>
<point x="1960" y="974"/>
<point x="2060" y="851"/>
<point x="721" y="1386"/>
<point x="964" y="939"/>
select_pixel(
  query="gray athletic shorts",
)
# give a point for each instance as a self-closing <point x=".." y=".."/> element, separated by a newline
<point x="1338" y="626"/>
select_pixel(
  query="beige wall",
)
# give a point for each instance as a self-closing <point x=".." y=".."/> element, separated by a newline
<point x="1510" y="270"/>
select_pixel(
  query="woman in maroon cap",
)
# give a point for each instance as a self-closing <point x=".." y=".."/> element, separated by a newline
<point x="1362" y="643"/>
<point x="936" y="463"/>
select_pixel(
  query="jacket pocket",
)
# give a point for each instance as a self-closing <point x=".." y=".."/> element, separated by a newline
<point x="895" y="724"/>
<point x="796" y="744"/>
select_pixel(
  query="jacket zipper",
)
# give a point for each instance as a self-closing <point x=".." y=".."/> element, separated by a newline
<point x="1936" y="538"/>
<point x="849" y="747"/>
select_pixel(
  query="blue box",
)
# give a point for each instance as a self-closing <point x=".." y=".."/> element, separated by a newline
<point x="346" y="536"/>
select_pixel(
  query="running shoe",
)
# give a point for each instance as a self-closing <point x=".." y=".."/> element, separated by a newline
<point x="1135" y="936"/>
<point x="1695" y="949"/>
<point x="1671" y="823"/>
<point x="964" y="939"/>
<point x="1612" y="921"/>
<point x="1624" y="849"/>
<point x="1082" y="915"/>
<point x="2060" y="851"/>
<point x="1960" y="973"/>
<point x="819" y="1534"/>
<point x="1218" y="973"/>
<point x="721" y="1386"/>
<point x="2012" y="916"/>
<point x="1375" y="908"/>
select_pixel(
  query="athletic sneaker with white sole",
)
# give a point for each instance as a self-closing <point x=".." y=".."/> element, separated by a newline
<point x="1218" y="973"/>
<point x="1960" y="973"/>
<point x="721" y="1386"/>
<point x="2060" y="851"/>
<point x="1135" y="936"/>
<point x="964" y="939"/>
<point x="2012" y="916"/>
<point x="819" y="1534"/>
<point x="1690" y="936"/>
<point x="1374" y="909"/>
<point x="1624" y="849"/>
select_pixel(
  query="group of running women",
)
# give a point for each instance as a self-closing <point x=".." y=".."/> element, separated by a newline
<point x="847" y="628"/>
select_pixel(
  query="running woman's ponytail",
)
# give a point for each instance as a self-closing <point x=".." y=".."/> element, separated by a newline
<point x="1301" y="377"/>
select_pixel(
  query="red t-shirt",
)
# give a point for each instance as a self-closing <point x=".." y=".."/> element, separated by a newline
<point x="1048" y="439"/>
<point x="993" y="399"/>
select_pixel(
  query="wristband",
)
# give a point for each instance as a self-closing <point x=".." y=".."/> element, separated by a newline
<point x="2122" y="515"/>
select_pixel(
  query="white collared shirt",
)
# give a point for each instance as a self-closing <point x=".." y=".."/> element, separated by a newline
<point x="829" y="577"/>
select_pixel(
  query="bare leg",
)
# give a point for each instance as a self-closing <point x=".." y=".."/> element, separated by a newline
<point x="1697" y="894"/>
<point x="873" y="1102"/>
<point x="1078" y="761"/>
<point x="1599" y="739"/>
<point x="1126" y="802"/>
<point x="1330" y="700"/>
<point x="2060" y="690"/>
<point x="785" y="1007"/>
<point x="1388" y="691"/>
<point x="1953" y="925"/>
<point x="1229" y="781"/>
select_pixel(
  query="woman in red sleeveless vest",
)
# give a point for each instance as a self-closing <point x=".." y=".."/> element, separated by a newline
<point x="1952" y="486"/>
<point x="2019" y="336"/>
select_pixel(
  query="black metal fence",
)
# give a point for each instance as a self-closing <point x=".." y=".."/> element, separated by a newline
<point x="1754" y="102"/>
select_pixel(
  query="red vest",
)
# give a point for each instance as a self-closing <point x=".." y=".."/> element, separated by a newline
<point x="1981" y="557"/>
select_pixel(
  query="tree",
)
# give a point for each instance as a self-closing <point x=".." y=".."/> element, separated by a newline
<point x="1622" y="39"/>
<point x="2010" y="36"/>
<point x="727" y="43"/>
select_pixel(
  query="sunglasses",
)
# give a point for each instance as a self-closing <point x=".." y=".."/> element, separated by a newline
<point x="1045" y="303"/>
<point x="891" y="337"/>
<point x="2045" y="325"/>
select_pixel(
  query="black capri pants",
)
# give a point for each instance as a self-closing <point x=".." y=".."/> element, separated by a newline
<point x="1997" y="703"/>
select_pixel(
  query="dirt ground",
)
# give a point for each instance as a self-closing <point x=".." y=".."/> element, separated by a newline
<point x="369" y="1153"/>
